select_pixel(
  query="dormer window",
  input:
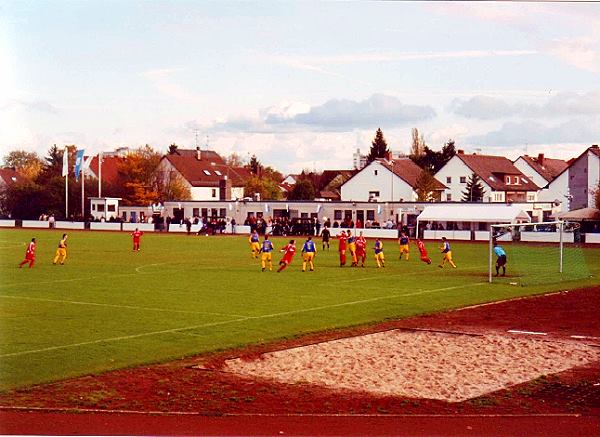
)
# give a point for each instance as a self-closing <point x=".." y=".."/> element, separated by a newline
<point x="516" y="180"/>
<point x="507" y="180"/>
<point x="218" y="173"/>
<point x="206" y="172"/>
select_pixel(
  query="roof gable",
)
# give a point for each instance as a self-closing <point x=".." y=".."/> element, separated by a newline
<point x="110" y="168"/>
<point x="548" y="168"/>
<point x="207" y="173"/>
<point x="407" y="170"/>
<point x="492" y="169"/>
<point x="10" y="176"/>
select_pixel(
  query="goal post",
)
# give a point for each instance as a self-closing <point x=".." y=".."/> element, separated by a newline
<point x="548" y="239"/>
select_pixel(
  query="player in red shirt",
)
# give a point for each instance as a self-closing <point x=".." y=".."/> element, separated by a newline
<point x="361" y="249"/>
<point x="288" y="255"/>
<point x="29" y="255"/>
<point x="137" y="235"/>
<point x="424" y="257"/>
<point x="342" y="248"/>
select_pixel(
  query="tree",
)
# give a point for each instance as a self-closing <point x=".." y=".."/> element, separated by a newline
<point x="417" y="148"/>
<point x="27" y="164"/>
<point x="474" y="190"/>
<point x="379" y="147"/>
<point x="425" y="187"/>
<point x="254" y="165"/>
<point x="137" y="177"/>
<point x="267" y="188"/>
<point x="170" y="186"/>
<point x="434" y="160"/>
<point x="597" y="196"/>
<point x="234" y="160"/>
<point x="303" y="190"/>
<point x="173" y="149"/>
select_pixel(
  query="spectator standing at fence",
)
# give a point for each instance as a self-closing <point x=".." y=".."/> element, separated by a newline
<point x="29" y="254"/>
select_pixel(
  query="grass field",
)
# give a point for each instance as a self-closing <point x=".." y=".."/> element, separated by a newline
<point x="109" y="307"/>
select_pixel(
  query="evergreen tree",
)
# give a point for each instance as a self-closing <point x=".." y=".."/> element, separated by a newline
<point x="379" y="147"/>
<point x="303" y="190"/>
<point x="474" y="190"/>
<point x="254" y="165"/>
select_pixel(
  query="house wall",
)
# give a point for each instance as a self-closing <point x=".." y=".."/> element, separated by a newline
<point x="557" y="190"/>
<point x="376" y="178"/>
<point x="593" y="177"/>
<point x="528" y="171"/>
<point x="455" y="169"/>
<point x="579" y="182"/>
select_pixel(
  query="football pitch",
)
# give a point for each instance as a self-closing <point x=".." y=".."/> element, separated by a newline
<point x="109" y="307"/>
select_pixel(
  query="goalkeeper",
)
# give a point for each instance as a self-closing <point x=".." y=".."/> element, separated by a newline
<point x="501" y="261"/>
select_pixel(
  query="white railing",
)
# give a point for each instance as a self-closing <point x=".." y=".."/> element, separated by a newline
<point x="105" y="226"/>
<point x="547" y="237"/>
<point x="592" y="238"/>
<point x="7" y="223"/>
<point x="145" y="227"/>
<point x="69" y="225"/>
<point x="35" y="224"/>
<point x="450" y="235"/>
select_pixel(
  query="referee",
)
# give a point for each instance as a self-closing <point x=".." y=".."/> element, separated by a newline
<point x="501" y="261"/>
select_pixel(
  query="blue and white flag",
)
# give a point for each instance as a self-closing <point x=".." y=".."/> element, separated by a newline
<point x="378" y="209"/>
<point x="78" y="163"/>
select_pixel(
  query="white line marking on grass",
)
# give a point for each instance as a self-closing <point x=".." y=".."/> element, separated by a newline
<point x="240" y="319"/>
<point x="516" y="331"/>
<point x="397" y="274"/>
<point x="132" y="307"/>
<point x="138" y="269"/>
<point x="585" y="337"/>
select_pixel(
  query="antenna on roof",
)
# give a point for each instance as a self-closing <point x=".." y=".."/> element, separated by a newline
<point x="207" y="141"/>
<point x="196" y="135"/>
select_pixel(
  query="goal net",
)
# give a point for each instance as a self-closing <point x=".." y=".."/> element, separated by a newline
<point x="536" y="253"/>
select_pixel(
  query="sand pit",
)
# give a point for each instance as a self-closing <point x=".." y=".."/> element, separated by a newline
<point x="449" y="367"/>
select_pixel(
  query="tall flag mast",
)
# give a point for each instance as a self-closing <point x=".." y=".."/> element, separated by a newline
<point x="65" y="173"/>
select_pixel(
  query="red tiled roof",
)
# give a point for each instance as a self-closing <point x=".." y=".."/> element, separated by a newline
<point x="110" y="167"/>
<point x="205" y="155"/>
<point x="492" y="169"/>
<point x="548" y="168"/>
<point x="203" y="172"/>
<point x="10" y="176"/>
<point x="407" y="170"/>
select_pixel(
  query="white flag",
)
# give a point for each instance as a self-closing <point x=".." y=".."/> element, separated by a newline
<point x="266" y="207"/>
<point x="378" y="209"/>
<point x="87" y="162"/>
<point x="318" y="209"/>
<point x="230" y="206"/>
<point x="65" y="169"/>
<point x="287" y="207"/>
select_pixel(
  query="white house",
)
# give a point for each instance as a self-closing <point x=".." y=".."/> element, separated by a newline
<point x="205" y="173"/>
<point x="574" y="187"/>
<point x="541" y="170"/>
<point x="501" y="180"/>
<point x="385" y="181"/>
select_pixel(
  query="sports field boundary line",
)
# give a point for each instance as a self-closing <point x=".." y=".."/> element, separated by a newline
<point x="225" y="322"/>
<point x="225" y="415"/>
<point x="132" y="307"/>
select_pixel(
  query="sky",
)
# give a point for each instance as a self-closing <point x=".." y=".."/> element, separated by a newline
<point x="300" y="84"/>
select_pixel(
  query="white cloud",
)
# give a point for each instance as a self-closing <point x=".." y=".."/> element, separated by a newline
<point x="511" y="134"/>
<point x="163" y="81"/>
<point x="562" y="104"/>
<point x="583" y="53"/>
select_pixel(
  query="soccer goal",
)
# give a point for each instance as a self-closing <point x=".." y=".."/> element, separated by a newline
<point x="535" y="253"/>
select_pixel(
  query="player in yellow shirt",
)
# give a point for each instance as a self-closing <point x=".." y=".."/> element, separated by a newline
<point x="447" y="251"/>
<point x="61" y="252"/>
<point x="267" y="255"/>
<point x="254" y="241"/>
<point x="404" y="243"/>
<point x="379" y="257"/>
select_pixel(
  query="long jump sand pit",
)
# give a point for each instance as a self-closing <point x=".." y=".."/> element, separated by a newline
<point x="417" y="364"/>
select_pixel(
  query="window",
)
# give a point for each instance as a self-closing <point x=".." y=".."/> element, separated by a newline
<point x="337" y="214"/>
<point x="204" y="212"/>
<point x="531" y="197"/>
<point x="110" y="208"/>
<point x="348" y="213"/>
<point x="373" y="194"/>
<point x="218" y="173"/>
<point x="206" y="172"/>
<point x="463" y="179"/>
<point x="375" y="172"/>
<point x="93" y="207"/>
<point x="449" y="197"/>
<point x="222" y="212"/>
<point x="498" y="197"/>
<point x="195" y="212"/>
<point x="516" y="180"/>
<point x="214" y="192"/>
<point x="370" y="214"/>
<point x="448" y="179"/>
<point x="507" y="180"/>
<point x="100" y="207"/>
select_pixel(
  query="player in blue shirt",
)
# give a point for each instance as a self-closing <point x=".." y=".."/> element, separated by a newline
<point x="379" y="257"/>
<point x="266" y="249"/>
<point x="309" y="250"/>
<point x="254" y="241"/>
<point x="501" y="261"/>
<point x="447" y="251"/>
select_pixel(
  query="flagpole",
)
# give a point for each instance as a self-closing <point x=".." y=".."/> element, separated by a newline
<point x="83" y="191"/>
<point x="100" y="174"/>
<point x="66" y="195"/>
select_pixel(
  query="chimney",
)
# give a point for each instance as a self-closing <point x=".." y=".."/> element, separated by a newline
<point x="460" y="152"/>
<point x="595" y="146"/>
<point x="388" y="156"/>
<point x="540" y="159"/>
<point x="198" y="154"/>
